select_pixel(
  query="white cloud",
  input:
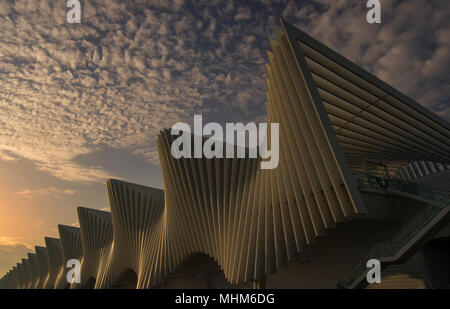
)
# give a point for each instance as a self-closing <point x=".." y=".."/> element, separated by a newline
<point x="6" y="157"/>
<point x="52" y="192"/>
<point x="12" y="249"/>
<point x="7" y="241"/>
<point x="133" y="68"/>
<point x="243" y="14"/>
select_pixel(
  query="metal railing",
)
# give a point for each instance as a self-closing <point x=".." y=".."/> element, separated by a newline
<point x="410" y="229"/>
<point x="424" y="191"/>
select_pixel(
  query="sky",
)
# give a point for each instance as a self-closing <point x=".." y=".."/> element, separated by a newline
<point x="81" y="103"/>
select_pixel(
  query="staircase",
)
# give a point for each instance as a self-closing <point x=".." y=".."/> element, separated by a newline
<point x="413" y="234"/>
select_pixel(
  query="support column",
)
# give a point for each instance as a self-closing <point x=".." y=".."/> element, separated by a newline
<point x="259" y="284"/>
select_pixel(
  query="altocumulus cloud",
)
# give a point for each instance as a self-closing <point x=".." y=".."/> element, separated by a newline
<point x="50" y="191"/>
<point x="132" y="68"/>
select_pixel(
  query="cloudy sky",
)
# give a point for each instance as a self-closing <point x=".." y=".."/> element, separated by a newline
<point x="80" y="103"/>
